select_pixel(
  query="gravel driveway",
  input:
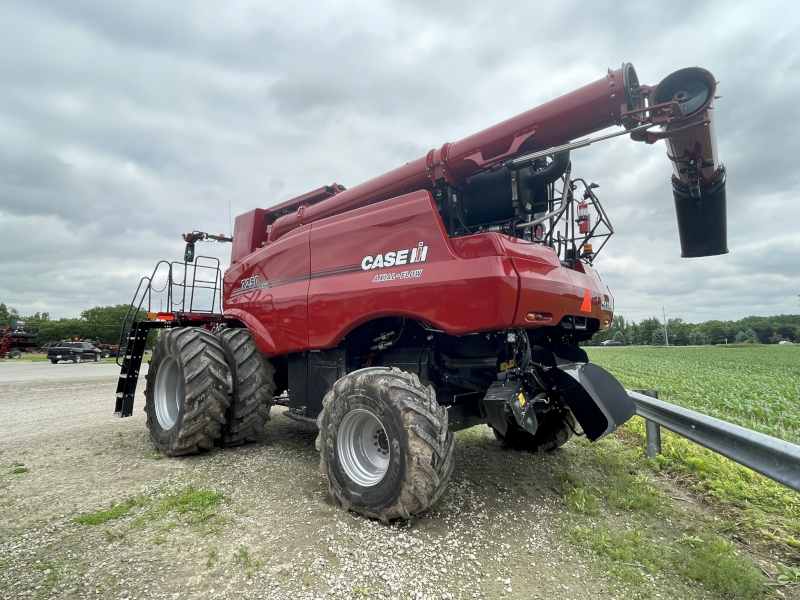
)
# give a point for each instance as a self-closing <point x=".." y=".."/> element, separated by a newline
<point x="263" y="525"/>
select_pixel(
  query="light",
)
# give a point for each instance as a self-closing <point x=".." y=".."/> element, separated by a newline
<point x="535" y="317"/>
<point x="587" y="248"/>
<point x="161" y="316"/>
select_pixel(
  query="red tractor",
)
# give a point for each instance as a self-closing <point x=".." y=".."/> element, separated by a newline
<point x="451" y="292"/>
<point x="17" y="339"/>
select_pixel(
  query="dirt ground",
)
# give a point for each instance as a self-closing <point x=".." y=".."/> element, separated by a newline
<point x="269" y="528"/>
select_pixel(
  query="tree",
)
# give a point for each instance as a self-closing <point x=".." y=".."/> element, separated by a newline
<point x="620" y="337"/>
<point x="658" y="338"/>
<point x="6" y="314"/>
<point x="717" y="331"/>
<point x="646" y="329"/>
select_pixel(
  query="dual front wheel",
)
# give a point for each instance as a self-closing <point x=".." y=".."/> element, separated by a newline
<point x="205" y="390"/>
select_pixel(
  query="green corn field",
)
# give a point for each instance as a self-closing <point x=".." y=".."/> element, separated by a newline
<point x="756" y="387"/>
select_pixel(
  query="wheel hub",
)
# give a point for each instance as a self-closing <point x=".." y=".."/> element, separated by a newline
<point x="166" y="393"/>
<point x="363" y="447"/>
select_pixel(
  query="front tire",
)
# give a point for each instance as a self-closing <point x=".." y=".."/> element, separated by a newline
<point x="14" y="354"/>
<point x="384" y="444"/>
<point x="186" y="395"/>
<point x="555" y="429"/>
<point x="252" y="383"/>
<point x="54" y="361"/>
<point x="77" y="359"/>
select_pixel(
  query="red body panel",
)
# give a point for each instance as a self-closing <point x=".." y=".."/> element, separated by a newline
<point x="250" y="234"/>
<point x="317" y="283"/>
<point x="275" y="309"/>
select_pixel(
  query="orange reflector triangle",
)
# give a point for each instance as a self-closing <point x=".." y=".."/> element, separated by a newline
<point x="587" y="302"/>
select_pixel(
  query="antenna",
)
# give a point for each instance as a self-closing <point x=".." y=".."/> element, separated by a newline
<point x="230" y="220"/>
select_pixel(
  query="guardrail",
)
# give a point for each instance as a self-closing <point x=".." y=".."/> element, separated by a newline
<point x="777" y="459"/>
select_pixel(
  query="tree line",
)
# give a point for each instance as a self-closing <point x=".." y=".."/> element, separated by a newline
<point x="757" y="330"/>
<point x="101" y="323"/>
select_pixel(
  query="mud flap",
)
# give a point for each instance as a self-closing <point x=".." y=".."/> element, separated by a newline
<point x="598" y="401"/>
<point x="510" y="392"/>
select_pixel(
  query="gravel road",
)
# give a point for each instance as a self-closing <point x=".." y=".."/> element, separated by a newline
<point x="274" y="532"/>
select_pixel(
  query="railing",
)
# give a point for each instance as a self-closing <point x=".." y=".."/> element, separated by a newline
<point x="776" y="459"/>
<point x="176" y="287"/>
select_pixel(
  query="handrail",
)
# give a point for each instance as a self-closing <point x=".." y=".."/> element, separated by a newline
<point x="774" y="458"/>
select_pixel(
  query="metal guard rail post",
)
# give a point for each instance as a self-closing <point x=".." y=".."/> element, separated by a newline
<point x="776" y="459"/>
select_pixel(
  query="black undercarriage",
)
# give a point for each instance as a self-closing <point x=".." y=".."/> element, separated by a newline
<point x="482" y="378"/>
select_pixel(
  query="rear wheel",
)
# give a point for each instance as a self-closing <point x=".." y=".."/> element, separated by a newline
<point x="186" y="395"/>
<point x="384" y="443"/>
<point x="14" y="354"/>
<point x="106" y="353"/>
<point x="555" y="430"/>
<point x="76" y="359"/>
<point x="251" y="385"/>
<point x="54" y="361"/>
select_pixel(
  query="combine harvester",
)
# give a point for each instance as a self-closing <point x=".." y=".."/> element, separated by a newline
<point x="448" y="293"/>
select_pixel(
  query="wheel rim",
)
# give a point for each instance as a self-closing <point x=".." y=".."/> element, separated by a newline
<point x="363" y="447"/>
<point x="166" y="393"/>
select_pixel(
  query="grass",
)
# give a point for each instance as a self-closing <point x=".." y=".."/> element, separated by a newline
<point x="192" y="505"/>
<point x="627" y="526"/>
<point x="104" y="516"/>
<point x="243" y="557"/>
<point x="757" y="387"/>
<point x="213" y="555"/>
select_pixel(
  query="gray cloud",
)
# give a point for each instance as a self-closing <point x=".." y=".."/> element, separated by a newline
<point x="123" y="125"/>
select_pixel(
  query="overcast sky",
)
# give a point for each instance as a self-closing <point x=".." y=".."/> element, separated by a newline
<point x="125" y="124"/>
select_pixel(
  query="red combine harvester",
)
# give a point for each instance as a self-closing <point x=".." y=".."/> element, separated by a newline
<point x="17" y="339"/>
<point x="448" y="293"/>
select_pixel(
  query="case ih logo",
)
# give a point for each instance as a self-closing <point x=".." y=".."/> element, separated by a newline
<point x="399" y="257"/>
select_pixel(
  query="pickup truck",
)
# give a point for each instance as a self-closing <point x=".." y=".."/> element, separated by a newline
<point x="74" y="351"/>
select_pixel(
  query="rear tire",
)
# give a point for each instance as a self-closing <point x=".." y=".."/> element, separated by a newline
<point x="384" y="444"/>
<point x="54" y="361"/>
<point x="106" y="354"/>
<point x="251" y="387"/>
<point x="77" y="359"/>
<point x="14" y="354"/>
<point x="555" y="430"/>
<point x="186" y="395"/>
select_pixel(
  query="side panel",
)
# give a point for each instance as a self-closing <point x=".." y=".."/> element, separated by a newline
<point x="270" y="288"/>
<point x="548" y="288"/>
<point x="250" y="232"/>
<point x="351" y="285"/>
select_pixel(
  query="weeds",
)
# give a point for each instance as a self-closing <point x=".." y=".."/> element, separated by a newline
<point x="213" y="554"/>
<point x="788" y="575"/>
<point x="104" y="516"/>
<point x="243" y="557"/>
